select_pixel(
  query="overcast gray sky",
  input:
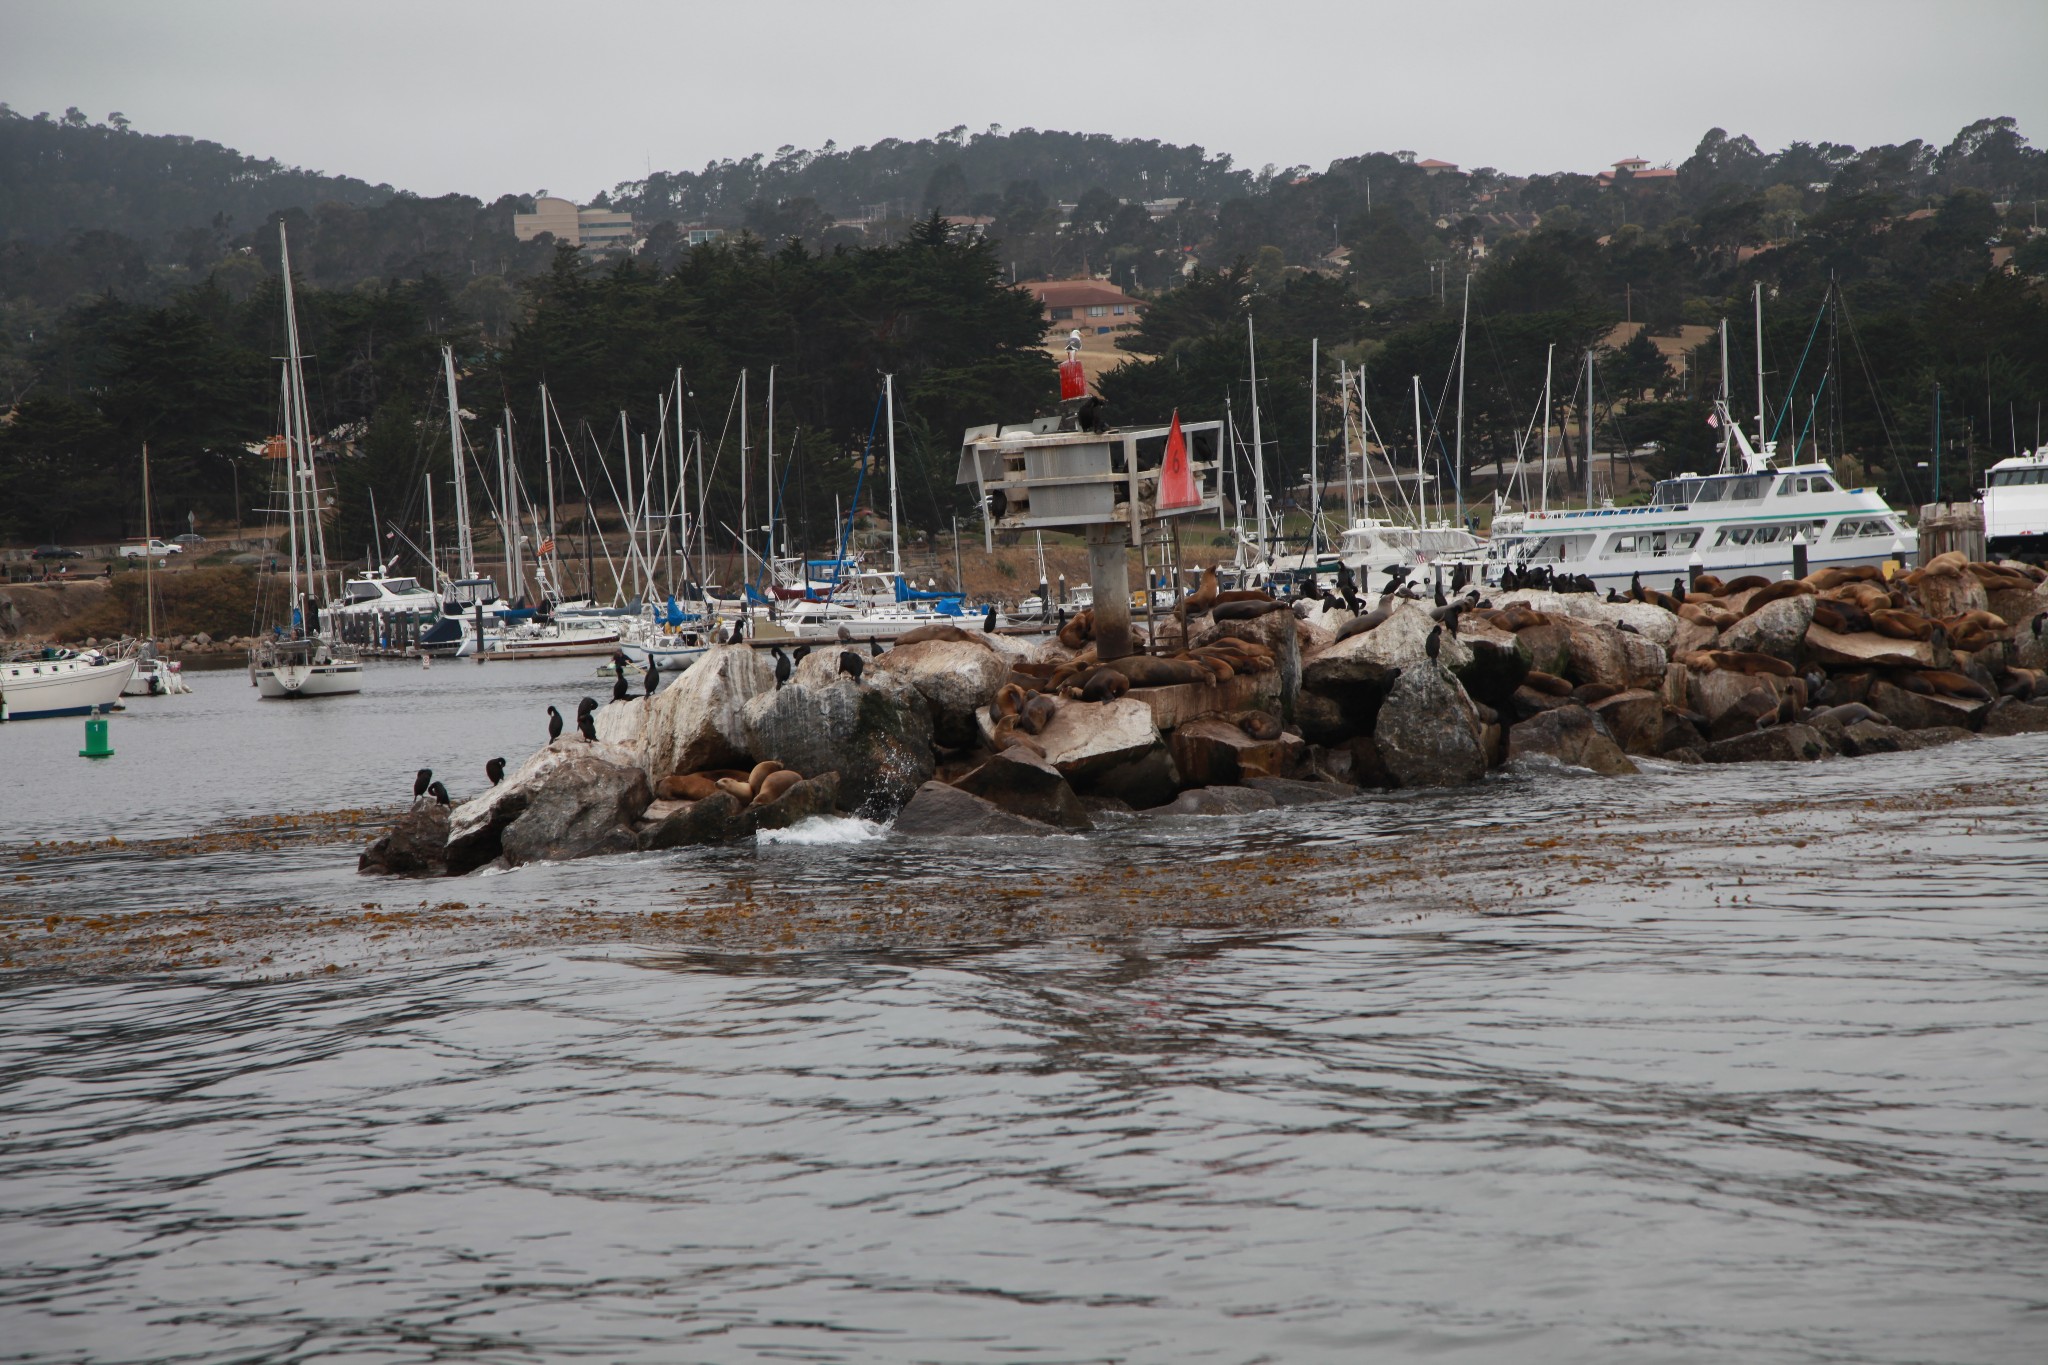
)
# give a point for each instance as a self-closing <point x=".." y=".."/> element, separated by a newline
<point x="513" y="95"/>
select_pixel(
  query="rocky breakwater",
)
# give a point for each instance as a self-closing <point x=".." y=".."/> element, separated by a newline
<point x="1244" y="702"/>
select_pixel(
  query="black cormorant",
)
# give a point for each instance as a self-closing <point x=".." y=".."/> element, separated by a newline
<point x="495" y="770"/>
<point x="851" y="664"/>
<point x="419" y="782"/>
<point x="554" y="725"/>
<point x="438" y="792"/>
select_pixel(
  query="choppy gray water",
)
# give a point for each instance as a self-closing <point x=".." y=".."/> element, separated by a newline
<point x="1769" y="1088"/>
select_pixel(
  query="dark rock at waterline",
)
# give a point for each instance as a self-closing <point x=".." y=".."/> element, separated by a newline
<point x="811" y="797"/>
<point x="940" y="811"/>
<point x="708" y="821"/>
<point x="1779" y="744"/>
<point x="1287" y="791"/>
<point x="1863" y="737"/>
<point x="1915" y="711"/>
<point x="2009" y="716"/>
<point x="1211" y="751"/>
<point x="1024" y="784"/>
<point x="1934" y="736"/>
<point x="1573" y="736"/>
<point x="1219" y="801"/>
<point x="416" y="844"/>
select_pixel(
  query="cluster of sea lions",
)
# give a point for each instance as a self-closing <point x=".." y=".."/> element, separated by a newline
<point x="759" y="785"/>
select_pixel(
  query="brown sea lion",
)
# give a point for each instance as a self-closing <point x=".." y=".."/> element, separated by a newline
<point x="1844" y="618"/>
<point x="1244" y="595"/>
<point x="1519" y="616"/>
<point x="1217" y="664"/>
<point x="1080" y="630"/>
<point x="1038" y="713"/>
<point x="1547" y="683"/>
<point x="1245" y="609"/>
<point x="1777" y="592"/>
<point x="1204" y="596"/>
<point x="1144" y="670"/>
<point x="1949" y="684"/>
<point x="937" y="630"/>
<point x="1901" y="625"/>
<point x="775" y="784"/>
<point x="1708" y="584"/>
<point x="2023" y="683"/>
<point x="761" y="772"/>
<point x="1587" y="693"/>
<point x="685" y="787"/>
<point x="1104" y="684"/>
<point x="1712" y="616"/>
<point x="1009" y="700"/>
<point x="1749" y="582"/>
<point x="736" y="787"/>
<point x="1013" y="738"/>
<point x="1259" y="725"/>
<point x="1372" y="620"/>
<point x="1868" y="597"/>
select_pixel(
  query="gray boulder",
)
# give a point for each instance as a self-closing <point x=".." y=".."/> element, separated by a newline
<point x="709" y="821"/>
<point x="937" y="810"/>
<point x="956" y="678"/>
<point x="1867" y="737"/>
<point x="416" y="844"/>
<point x="1428" y="734"/>
<point x="875" y="733"/>
<point x="1024" y="784"/>
<point x="1111" y="747"/>
<point x="1916" y="711"/>
<point x="585" y="798"/>
<point x="1287" y="791"/>
<point x="1779" y="744"/>
<point x="2009" y="716"/>
<point x="699" y="720"/>
<point x="1570" y="735"/>
<point x="1219" y="801"/>
<point x="1776" y="628"/>
<point x="1934" y="736"/>
<point x="1374" y="656"/>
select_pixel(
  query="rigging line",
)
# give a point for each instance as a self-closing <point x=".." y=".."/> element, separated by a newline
<point x="1818" y="318"/>
<point x="577" y="468"/>
<point x="1876" y="395"/>
<point x="853" y="504"/>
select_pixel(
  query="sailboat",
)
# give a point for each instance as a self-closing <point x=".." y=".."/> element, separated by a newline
<point x="153" y="676"/>
<point x="297" y="662"/>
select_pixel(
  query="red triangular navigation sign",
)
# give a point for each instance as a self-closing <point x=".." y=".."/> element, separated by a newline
<point x="1176" y="477"/>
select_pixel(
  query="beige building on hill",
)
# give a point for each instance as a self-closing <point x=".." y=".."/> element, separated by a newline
<point x="598" y="229"/>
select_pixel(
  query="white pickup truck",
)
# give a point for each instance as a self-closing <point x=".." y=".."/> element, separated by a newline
<point x="152" y="549"/>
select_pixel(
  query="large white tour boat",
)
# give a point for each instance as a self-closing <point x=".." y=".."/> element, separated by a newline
<point x="2016" y="507"/>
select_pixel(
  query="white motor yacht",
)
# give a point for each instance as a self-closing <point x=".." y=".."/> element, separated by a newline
<point x="2016" y="507"/>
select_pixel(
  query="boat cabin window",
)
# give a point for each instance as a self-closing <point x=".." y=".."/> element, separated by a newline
<point x="359" y="591"/>
<point x="1749" y="486"/>
<point x="1764" y="535"/>
<point x="1848" y="528"/>
<point x="1684" y="540"/>
<point x="1794" y="483"/>
<point x="401" y="585"/>
<point x="1879" y="527"/>
<point x="2008" y="478"/>
<point x="1711" y="490"/>
<point x="1734" y="535"/>
<point x="1675" y="492"/>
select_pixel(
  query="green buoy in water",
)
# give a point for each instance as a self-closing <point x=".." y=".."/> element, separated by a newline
<point x="96" y="745"/>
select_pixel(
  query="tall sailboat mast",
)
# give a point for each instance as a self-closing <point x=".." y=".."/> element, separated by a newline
<point x="1258" y="447"/>
<point x="1549" y="356"/>
<point x="1759" y="367"/>
<point x="1315" y="486"/>
<point x="1589" y="427"/>
<point x="768" y="477"/>
<point x="301" y="457"/>
<point x="1458" y="467"/>
<point x="465" y="550"/>
<point x="1726" y="438"/>
<point x="1421" y="503"/>
<point x="148" y="560"/>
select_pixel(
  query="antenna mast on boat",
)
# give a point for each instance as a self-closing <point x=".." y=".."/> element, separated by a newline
<point x="1258" y="446"/>
<point x="895" y="543"/>
<point x="1589" y="428"/>
<point x="1759" y="365"/>
<point x="743" y="476"/>
<point x="547" y="455"/>
<point x="768" y="482"/>
<point x="1727" y="437"/>
<point x="465" y="553"/>
<point x="148" y="560"/>
<point x="1549" y="356"/>
<point x="1315" y="487"/>
<point x="1421" y="504"/>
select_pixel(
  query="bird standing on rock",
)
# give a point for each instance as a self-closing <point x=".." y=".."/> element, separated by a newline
<point x="988" y="622"/>
<point x="438" y="792"/>
<point x="1435" y="643"/>
<point x="875" y="648"/>
<point x="783" y="667"/>
<point x="495" y="770"/>
<point x="420" y="781"/>
<point x="554" y="725"/>
<point x="586" y="725"/>
<point x="851" y="664"/>
<point x="618" y="682"/>
<point x="651" y="679"/>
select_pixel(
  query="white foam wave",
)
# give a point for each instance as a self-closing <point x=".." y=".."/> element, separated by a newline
<point x="825" y="829"/>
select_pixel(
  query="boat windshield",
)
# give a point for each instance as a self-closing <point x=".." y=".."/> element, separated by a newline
<point x="2008" y="478"/>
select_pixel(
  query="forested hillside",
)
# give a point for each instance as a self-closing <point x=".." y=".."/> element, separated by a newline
<point x="1884" y="272"/>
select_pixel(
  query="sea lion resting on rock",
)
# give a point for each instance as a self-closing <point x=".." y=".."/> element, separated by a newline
<point x="1259" y="725"/>
<point x="1359" y="625"/>
<point x="1734" y="661"/>
<point x="1844" y="618"/>
<point x="1037" y="713"/>
<point x="697" y="786"/>
<point x="1826" y="580"/>
<point x="775" y="784"/>
<point x="1777" y="592"/>
<point x="1847" y="714"/>
<point x="1866" y="597"/>
<point x="1009" y="735"/>
<point x="1008" y="701"/>
<point x="1713" y="617"/>
<point x="1244" y="595"/>
<point x="1749" y="582"/>
<point x="1587" y="693"/>
<point x="1245" y="609"/>
<point x="1080" y="630"/>
<point x="1146" y="671"/>
<point x="1547" y="683"/>
<point x="1104" y="684"/>
<point x="1901" y="625"/>
<point x="1949" y="684"/>
<point x="937" y="630"/>
<point x="1519" y="616"/>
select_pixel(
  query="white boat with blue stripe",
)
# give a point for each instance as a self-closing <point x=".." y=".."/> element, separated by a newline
<point x="1731" y="524"/>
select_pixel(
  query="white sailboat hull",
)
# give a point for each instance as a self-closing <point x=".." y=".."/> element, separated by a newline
<point x="35" y="689"/>
<point x="294" y="681"/>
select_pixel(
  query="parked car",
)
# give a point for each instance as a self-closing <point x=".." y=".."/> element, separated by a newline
<point x="56" y="552"/>
<point x="190" y="539"/>
<point x="152" y="548"/>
